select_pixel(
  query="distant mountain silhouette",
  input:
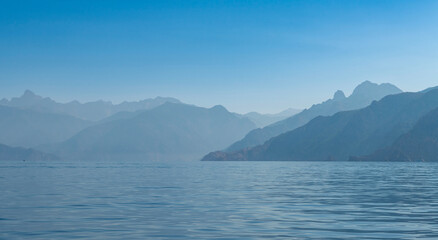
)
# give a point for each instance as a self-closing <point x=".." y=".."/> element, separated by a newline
<point x="362" y="96"/>
<point x="121" y="115"/>
<point x="28" y="128"/>
<point x="168" y="132"/>
<point x="92" y="111"/>
<point x="262" y="120"/>
<point x="22" y="154"/>
<point x="345" y="134"/>
<point x="419" y="144"/>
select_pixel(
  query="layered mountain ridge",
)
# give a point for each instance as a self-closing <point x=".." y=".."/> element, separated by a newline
<point x="345" y="134"/>
<point x="420" y="144"/>
<point x="362" y="96"/>
<point x="29" y="128"/>
<point x="168" y="132"/>
<point x="262" y="120"/>
<point x="91" y="111"/>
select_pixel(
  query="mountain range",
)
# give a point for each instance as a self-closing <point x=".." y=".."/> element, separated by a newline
<point x="348" y="133"/>
<point x="362" y="96"/>
<point x="40" y="122"/>
<point x="23" y="154"/>
<point x="170" y="131"/>
<point x="91" y="111"/>
<point x="31" y="120"/>
<point x="377" y="122"/>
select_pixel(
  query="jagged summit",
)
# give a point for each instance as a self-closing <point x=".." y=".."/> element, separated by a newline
<point x="339" y="95"/>
<point x="28" y="96"/>
<point x="28" y="93"/>
<point x="219" y="108"/>
<point x="368" y="88"/>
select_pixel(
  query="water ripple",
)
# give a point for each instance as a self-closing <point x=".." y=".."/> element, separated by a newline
<point x="199" y="200"/>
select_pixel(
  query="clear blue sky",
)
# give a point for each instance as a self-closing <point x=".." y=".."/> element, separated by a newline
<point x="246" y="55"/>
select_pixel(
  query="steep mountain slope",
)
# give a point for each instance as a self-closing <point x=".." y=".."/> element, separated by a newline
<point x="361" y="97"/>
<point x="345" y="134"/>
<point x="22" y="154"/>
<point x="27" y="128"/>
<point x="419" y="144"/>
<point x="168" y="132"/>
<point x="92" y="111"/>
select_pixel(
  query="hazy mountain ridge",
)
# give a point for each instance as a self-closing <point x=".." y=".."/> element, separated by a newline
<point x="419" y="144"/>
<point x="8" y="153"/>
<point x="170" y="131"/>
<point x="345" y="134"/>
<point x="181" y="131"/>
<point x="362" y="96"/>
<point x="29" y="128"/>
<point x="92" y="111"/>
<point x="262" y="120"/>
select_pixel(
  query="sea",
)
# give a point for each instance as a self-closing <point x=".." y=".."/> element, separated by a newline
<point x="218" y="200"/>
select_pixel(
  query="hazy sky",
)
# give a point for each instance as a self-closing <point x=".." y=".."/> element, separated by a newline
<point x="246" y="55"/>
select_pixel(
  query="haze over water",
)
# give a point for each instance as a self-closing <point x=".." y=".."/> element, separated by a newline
<point x="169" y="200"/>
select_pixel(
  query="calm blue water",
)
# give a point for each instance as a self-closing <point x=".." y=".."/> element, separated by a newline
<point x="223" y="200"/>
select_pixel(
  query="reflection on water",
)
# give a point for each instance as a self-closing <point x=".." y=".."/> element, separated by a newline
<point x="198" y="200"/>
